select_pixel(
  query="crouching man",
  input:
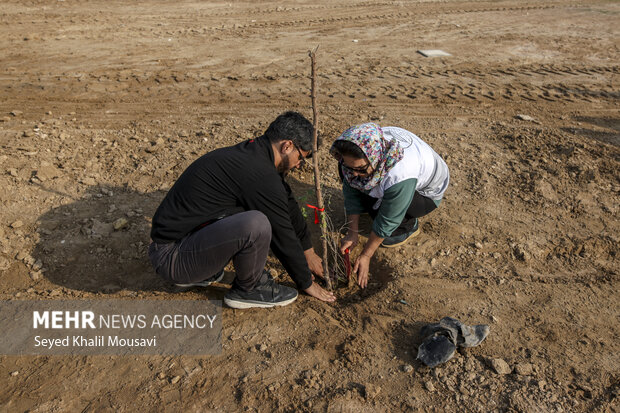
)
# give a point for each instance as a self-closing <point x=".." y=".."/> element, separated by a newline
<point x="233" y="203"/>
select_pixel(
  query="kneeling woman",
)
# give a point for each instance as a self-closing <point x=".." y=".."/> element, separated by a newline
<point x="392" y="175"/>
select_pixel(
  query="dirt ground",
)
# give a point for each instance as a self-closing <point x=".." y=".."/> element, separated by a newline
<point x="104" y="103"/>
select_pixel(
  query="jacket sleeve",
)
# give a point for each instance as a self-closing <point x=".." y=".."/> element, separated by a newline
<point x="271" y="197"/>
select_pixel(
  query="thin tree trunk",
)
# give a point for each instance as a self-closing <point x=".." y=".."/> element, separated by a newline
<point x="317" y="174"/>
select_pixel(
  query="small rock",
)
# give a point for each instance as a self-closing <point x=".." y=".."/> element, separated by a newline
<point x="120" y="224"/>
<point x="429" y="386"/>
<point x="63" y="136"/>
<point x="35" y="275"/>
<point x="524" y="369"/>
<point x="12" y="172"/>
<point x="16" y="113"/>
<point x="500" y="366"/>
<point x="175" y="379"/>
<point x="47" y="171"/>
<point x="478" y="245"/>
<point x="14" y="373"/>
<point x="263" y="347"/>
<point x="407" y="368"/>
<point x="161" y="376"/>
<point x="274" y="273"/>
<point x="4" y="264"/>
<point x="88" y="181"/>
<point x="525" y="117"/>
<point x="21" y="255"/>
<point x="371" y="391"/>
<point x="17" y="224"/>
<point x="37" y="265"/>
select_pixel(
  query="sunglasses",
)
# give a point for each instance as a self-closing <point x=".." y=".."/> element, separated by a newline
<point x="302" y="158"/>
<point x="360" y="169"/>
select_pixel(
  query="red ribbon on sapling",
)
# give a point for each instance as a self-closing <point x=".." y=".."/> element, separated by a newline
<point x="316" y="212"/>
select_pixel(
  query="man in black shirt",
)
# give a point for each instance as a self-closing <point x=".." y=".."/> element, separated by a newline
<point x="233" y="203"/>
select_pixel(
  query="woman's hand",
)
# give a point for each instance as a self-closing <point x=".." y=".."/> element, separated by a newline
<point x="361" y="267"/>
<point x="349" y="241"/>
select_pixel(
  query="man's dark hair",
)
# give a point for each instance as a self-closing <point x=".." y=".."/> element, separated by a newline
<point x="349" y="149"/>
<point x="294" y="126"/>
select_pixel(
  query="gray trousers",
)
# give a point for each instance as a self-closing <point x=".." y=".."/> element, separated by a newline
<point x="243" y="237"/>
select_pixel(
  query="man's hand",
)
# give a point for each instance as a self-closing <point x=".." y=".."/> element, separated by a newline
<point x="315" y="263"/>
<point x="362" y="264"/>
<point x="317" y="291"/>
<point x="349" y="241"/>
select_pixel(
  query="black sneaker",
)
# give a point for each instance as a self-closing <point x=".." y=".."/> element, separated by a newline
<point x="267" y="293"/>
<point x="399" y="239"/>
<point x="215" y="279"/>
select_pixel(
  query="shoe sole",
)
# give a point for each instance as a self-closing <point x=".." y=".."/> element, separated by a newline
<point x="414" y="234"/>
<point x="201" y="284"/>
<point x="242" y="304"/>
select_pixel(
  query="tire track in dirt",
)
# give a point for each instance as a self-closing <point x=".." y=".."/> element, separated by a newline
<point x="393" y="17"/>
<point x="191" y="29"/>
<point x="535" y="82"/>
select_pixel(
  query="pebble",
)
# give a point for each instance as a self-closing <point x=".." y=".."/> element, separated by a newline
<point x="12" y="172"/>
<point x="478" y="245"/>
<point x="525" y="117"/>
<point x="263" y="347"/>
<point x="21" y="255"/>
<point x="88" y="181"/>
<point x="175" y="379"/>
<point x="500" y="366"/>
<point x="14" y="373"/>
<point x="372" y="390"/>
<point x="120" y="224"/>
<point x="17" y="224"/>
<point x="47" y="171"/>
<point x="16" y="113"/>
<point x="407" y="368"/>
<point x="429" y="386"/>
<point x="524" y="369"/>
<point x="161" y="376"/>
<point x="35" y="275"/>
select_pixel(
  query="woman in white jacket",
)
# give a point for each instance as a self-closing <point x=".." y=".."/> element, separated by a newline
<point x="394" y="176"/>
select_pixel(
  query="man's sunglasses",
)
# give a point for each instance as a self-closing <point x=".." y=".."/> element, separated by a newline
<point x="302" y="159"/>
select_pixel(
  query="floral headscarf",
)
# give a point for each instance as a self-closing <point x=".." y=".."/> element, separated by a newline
<point x="381" y="153"/>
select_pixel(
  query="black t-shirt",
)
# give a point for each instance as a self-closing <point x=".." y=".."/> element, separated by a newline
<point x="231" y="180"/>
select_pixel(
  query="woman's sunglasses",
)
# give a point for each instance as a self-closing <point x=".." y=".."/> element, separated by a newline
<point x="359" y="169"/>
